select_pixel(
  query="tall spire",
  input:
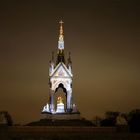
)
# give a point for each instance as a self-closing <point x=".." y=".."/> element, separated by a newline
<point x="61" y="36"/>
<point x="60" y="54"/>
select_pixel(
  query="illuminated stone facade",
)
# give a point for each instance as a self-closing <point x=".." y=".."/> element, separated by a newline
<point x="60" y="76"/>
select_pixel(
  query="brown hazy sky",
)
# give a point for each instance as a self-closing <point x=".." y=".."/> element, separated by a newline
<point x="104" y="40"/>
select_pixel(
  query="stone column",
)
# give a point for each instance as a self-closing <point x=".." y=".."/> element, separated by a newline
<point x="69" y="101"/>
<point x="52" y="101"/>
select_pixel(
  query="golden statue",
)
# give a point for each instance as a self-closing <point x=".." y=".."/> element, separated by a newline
<point x="59" y="100"/>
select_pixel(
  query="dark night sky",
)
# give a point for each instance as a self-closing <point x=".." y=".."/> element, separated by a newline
<point x="104" y="40"/>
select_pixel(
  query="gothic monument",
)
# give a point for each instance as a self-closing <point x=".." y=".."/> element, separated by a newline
<point x="60" y="76"/>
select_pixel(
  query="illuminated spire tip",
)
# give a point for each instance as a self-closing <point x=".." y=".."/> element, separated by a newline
<point x="61" y="28"/>
<point x="61" y="36"/>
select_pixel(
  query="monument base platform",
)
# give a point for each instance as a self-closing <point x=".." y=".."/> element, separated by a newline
<point x="62" y="119"/>
<point x="63" y="116"/>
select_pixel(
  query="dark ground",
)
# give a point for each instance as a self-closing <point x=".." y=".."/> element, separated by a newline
<point x="64" y="133"/>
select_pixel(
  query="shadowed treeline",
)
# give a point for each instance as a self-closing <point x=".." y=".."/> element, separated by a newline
<point x="130" y="121"/>
<point x="114" y="126"/>
<point x="115" y="118"/>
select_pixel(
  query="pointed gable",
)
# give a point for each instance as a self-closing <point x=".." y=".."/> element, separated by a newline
<point x="61" y="71"/>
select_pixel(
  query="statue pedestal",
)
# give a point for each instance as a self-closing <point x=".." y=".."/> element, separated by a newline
<point x="60" y="108"/>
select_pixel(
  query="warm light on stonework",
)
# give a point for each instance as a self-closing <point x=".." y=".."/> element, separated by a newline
<point x="60" y="76"/>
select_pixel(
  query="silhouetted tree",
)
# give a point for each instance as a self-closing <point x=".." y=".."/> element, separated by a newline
<point x="134" y="120"/>
<point x="110" y="119"/>
<point x="6" y="118"/>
